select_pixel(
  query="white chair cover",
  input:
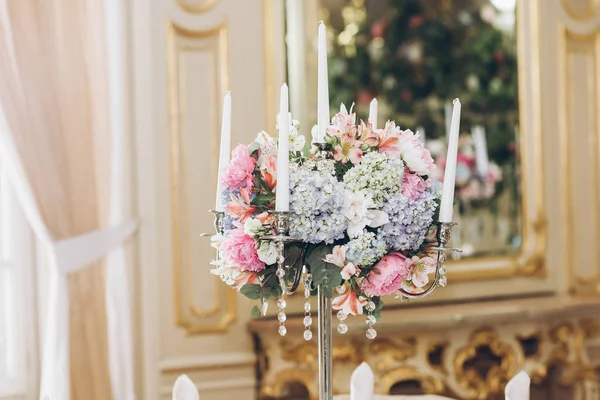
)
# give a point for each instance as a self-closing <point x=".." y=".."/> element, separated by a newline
<point x="518" y="387"/>
<point x="185" y="389"/>
<point x="362" y="383"/>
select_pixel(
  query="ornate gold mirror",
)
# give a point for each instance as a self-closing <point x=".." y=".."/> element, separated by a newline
<point x="415" y="56"/>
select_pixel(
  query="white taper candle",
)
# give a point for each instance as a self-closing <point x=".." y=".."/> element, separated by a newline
<point x="448" y="117"/>
<point x="225" y="149"/>
<point x="447" y="202"/>
<point x="323" y="118"/>
<point x="282" y="199"/>
<point x="481" y="152"/>
<point x="373" y="113"/>
<point x="421" y="132"/>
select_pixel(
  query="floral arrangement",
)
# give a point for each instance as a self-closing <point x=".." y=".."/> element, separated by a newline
<point x="363" y="212"/>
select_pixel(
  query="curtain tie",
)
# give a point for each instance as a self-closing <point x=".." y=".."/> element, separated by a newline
<point x="77" y="252"/>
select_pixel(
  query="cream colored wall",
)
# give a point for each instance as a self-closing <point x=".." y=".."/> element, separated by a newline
<point x="187" y="53"/>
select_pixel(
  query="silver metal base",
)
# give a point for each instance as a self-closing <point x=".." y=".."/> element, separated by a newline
<point x="325" y="348"/>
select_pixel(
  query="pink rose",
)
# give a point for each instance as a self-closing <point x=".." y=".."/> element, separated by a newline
<point x="393" y="268"/>
<point x="240" y="250"/>
<point x="239" y="172"/>
<point x="416" y="157"/>
<point x="413" y="185"/>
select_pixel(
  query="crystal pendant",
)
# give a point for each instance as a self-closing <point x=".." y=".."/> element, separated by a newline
<point x="342" y="328"/>
<point x="370" y="306"/>
<point x="341" y="315"/>
<point x="371" y="333"/>
<point x="371" y="319"/>
<point x="307" y="335"/>
<point x="307" y="306"/>
<point x="442" y="281"/>
<point x="281" y="303"/>
<point x="282" y="330"/>
<point x="281" y="316"/>
<point x="280" y="273"/>
<point x="307" y="321"/>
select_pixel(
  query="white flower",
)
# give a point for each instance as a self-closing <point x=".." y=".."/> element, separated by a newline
<point x="415" y="156"/>
<point x="268" y="146"/>
<point x="252" y="227"/>
<point x="225" y="272"/>
<point x="357" y="208"/>
<point x="296" y="141"/>
<point x="267" y="252"/>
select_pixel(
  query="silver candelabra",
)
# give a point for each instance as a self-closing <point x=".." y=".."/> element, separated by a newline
<point x="289" y="286"/>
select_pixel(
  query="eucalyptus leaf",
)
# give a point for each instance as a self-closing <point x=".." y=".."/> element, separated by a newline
<point x="252" y="291"/>
<point x="324" y="274"/>
<point x="255" y="312"/>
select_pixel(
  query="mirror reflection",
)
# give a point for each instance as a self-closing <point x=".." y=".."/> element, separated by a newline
<point x="415" y="56"/>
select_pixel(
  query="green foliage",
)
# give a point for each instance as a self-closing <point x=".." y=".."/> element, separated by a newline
<point x="255" y="312"/>
<point x="323" y="274"/>
<point x="252" y="291"/>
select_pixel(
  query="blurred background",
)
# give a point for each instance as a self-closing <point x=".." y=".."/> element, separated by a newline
<point x="109" y="134"/>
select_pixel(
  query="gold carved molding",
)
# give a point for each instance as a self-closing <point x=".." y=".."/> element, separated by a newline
<point x="221" y="313"/>
<point x="470" y="380"/>
<point x="199" y="8"/>
<point x="572" y="46"/>
<point x="477" y="362"/>
<point x="581" y="15"/>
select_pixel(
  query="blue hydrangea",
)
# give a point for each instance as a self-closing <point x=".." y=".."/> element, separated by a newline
<point x="316" y="202"/>
<point x="366" y="249"/>
<point x="377" y="174"/>
<point x="409" y="220"/>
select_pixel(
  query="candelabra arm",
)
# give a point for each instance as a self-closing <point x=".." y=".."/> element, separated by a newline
<point x="281" y="237"/>
<point x="218" y="223"/>
<point x="443" y="237"/>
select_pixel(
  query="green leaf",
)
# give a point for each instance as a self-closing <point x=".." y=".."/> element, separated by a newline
<point x="324" y="274"/>
<point x="252" y="291"/>
<point x="255" y="312"/>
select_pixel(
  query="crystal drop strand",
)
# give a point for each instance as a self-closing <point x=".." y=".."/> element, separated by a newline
<point x="371" y="333"/>
<point x="281" y="301"/>
<point x="307" y="313"/>
<point x="281" y="316"/>
<point x="342" y="327"/>
<point x="442" y="281"/>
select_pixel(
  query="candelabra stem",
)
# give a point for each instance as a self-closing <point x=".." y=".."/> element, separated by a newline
<point x="325" y="348"/>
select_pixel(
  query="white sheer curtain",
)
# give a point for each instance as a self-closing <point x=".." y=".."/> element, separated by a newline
<point x="66" y="159"/>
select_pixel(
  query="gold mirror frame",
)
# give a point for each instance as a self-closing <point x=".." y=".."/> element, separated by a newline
<point x="529" y="260"/>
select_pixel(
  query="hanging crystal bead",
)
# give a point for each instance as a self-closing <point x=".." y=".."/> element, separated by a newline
<point x="307" y="314"/>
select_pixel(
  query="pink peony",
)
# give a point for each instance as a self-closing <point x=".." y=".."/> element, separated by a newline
<point x="239" y="172"/>
<point x="416" y="157"/>
<point x="240" y="250"/>
<point x="392" y="268"/>
<point x="413" y="185"/>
